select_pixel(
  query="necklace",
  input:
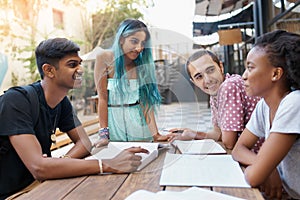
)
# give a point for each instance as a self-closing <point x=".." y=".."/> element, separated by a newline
<point x="53" y="136"/>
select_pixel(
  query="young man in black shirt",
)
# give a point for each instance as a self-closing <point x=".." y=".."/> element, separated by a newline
<point x="25" y="144"/>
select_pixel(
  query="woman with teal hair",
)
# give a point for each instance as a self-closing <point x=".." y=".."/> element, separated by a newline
<point x="126" y="85"/>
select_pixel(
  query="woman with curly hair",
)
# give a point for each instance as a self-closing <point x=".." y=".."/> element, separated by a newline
<point x="273" y="72"/>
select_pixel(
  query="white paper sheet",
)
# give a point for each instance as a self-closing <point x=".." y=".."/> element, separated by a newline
<point x="206" y="146"/>
<point x="202" y="170"/>
<point x="193" y="193"/>
<point x="114" y="148"/>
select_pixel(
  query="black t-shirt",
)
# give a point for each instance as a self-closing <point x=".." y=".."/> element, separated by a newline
<point x="16" y="118"/>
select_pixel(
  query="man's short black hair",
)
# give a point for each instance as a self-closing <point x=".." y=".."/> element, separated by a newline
<point x="50" y="51"/>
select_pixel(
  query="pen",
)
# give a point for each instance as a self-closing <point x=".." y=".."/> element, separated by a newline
<point x="176" y="149"/>
<point x="165" y="131"/>
<point x="178" y="131"/>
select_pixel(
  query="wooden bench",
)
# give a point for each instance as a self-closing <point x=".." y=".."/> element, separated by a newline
<point x="91" y="127"/>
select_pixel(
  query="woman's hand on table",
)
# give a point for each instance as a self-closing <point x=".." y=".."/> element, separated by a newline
<point x="160" y="138"/>
<point x="181" y="134"/>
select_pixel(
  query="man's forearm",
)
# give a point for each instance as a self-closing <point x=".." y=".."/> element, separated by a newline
<point x="210" y="135"/>
<point x="200" y="135"/>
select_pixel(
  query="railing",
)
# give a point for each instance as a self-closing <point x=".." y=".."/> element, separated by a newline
<point x="91" y="127"/>
<point x="166" y="74"/>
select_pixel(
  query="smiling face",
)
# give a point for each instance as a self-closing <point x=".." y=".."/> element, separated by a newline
<point x="259" y="74"/>
<point x="133" y="45"/>
<point x="69" y="72"/>
<point x="206" y="74"/>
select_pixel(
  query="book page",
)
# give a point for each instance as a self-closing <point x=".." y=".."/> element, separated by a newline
<point x="202" y="170"/>
<point x="205" y="146"/>
<point x="114" y="148"/>
<point x="193" y="193"/>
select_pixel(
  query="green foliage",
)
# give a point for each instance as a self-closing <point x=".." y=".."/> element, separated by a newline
<point x="22" y="35"/>
<point x="107" y="20"/>
<point x="29" y="61"/>
<point x="21" y="44"/>
<point x="14" y="79"/>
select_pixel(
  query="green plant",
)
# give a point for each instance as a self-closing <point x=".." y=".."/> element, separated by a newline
<point x="106" y="21"/>
<point x="20" y="35"/>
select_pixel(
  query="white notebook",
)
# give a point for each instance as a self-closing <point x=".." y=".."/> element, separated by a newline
<point x="114" y="148"/>
<point x="205" y="146"/>
<point x="202" y="170"/>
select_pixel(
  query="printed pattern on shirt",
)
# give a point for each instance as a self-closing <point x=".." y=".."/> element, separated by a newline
<point x="232" y="108"/>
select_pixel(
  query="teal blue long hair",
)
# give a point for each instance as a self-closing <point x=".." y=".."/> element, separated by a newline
<point x="148" y="90"/>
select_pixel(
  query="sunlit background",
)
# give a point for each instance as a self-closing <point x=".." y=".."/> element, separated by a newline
<point x="178" y="28"/>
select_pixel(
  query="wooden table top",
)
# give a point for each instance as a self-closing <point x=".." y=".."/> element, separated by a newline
<point x="120" y="186"/>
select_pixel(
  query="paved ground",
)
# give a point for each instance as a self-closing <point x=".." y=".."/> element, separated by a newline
<point x="192" y="115"/>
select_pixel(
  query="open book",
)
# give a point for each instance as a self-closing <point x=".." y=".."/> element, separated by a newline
<point x="200" y="147"/>
<point x="114" y="148"/>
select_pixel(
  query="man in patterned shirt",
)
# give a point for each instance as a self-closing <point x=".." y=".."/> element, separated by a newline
<point x="231" y="107"/>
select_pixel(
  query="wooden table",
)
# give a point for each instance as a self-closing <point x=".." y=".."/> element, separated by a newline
<point x="120" y="186"/>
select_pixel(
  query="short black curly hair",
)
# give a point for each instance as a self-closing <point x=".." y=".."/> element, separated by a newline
<point x="283" y="50"/>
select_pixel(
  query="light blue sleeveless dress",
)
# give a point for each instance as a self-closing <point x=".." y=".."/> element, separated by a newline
<point x="126" y="121"/>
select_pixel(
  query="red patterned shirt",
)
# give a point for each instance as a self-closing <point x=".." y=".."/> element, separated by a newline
<point x="231" y="108"/>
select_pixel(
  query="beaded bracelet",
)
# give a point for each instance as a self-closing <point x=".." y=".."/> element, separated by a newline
<point x="103" y="133"/>
<point x="100" y="166"/>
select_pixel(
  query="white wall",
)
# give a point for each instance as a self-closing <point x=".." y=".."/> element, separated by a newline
<point x="73" y="29"/>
